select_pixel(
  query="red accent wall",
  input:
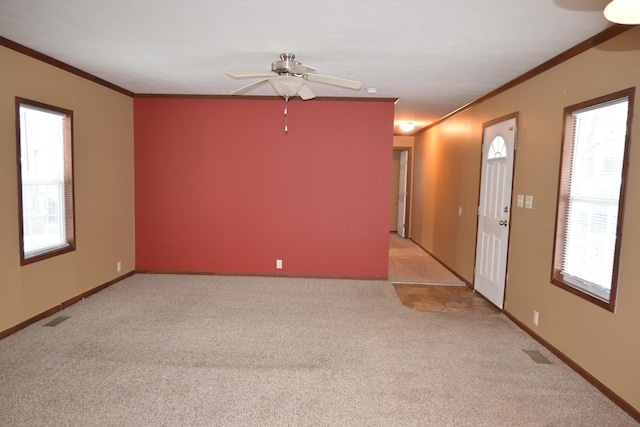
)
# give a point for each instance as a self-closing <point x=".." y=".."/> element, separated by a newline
<point x="221" y="188"/>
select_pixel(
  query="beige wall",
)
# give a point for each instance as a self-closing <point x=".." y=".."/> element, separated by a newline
<point x="104" y="189"/>
<point x="403" y="141"/>
<point x="447" y="161"/>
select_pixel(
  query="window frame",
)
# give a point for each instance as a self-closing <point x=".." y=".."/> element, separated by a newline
<point x="69" y="207"/>
<point x="563" y="195"/>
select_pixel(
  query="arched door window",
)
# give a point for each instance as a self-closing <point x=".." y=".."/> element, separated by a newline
<point x="498" y="148"/>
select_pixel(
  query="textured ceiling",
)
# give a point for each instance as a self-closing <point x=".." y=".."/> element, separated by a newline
<point x="435" y="56"/>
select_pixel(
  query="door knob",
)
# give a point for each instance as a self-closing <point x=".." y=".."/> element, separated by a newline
<point x="504" y="222"/>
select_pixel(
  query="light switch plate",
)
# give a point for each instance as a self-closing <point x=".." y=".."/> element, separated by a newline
<point x="520" y="201"/>
<point x="528" y="202"/>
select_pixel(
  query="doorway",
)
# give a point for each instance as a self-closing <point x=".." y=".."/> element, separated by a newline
<point x="494" y="210"/>
<point x="400" y="191"/>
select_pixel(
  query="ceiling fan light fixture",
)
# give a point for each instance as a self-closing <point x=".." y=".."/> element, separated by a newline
<point x="407" y="126"/>
<point x="286" y="86"/>
<point x="623" y="12"/>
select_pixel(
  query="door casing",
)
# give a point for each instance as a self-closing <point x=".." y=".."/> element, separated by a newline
<point x="406" y="215"/>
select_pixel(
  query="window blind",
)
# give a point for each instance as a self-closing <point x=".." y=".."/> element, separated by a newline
<point x="44" y="190"/>
<point x="594" y="194"/>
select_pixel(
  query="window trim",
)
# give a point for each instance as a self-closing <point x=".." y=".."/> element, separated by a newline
<point x="69" y="211"/>
<point x="561" y="204"/>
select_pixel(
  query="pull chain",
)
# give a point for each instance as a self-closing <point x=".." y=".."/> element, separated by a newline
<point x="286" y="105"/>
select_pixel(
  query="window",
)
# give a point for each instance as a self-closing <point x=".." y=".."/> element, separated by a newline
<point x="591" y="197"/>
<point x="498" y="148"/>
<point x="45" y="174"/>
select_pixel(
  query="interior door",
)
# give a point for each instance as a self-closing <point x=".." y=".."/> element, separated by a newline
<point x="494" y="210"/>
<point x="402" y="193"/>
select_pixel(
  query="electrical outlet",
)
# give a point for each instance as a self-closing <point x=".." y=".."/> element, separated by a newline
<point x="536" y="317"/>
<point x="119" y="266"/>
<point x="279" y="264"/>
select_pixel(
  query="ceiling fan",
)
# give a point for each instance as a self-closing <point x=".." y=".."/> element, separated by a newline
<point x="289" y="78"/>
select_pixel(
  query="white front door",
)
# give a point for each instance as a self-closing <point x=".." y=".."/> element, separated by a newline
<point x="494" y="211"/>
<point x="402" y="193"/>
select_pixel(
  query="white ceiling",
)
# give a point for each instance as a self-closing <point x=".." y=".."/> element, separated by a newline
<point x="435" y="56"/>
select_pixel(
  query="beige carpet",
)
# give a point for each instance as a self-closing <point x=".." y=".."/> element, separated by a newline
<point x="408" y="263"/>
<point x="170" y="350"/>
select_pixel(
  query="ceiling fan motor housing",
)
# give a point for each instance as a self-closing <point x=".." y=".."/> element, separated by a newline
<point x="285" y="64"/>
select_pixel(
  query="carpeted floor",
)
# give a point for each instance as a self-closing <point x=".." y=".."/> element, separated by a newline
<point x="410" y="264"/>
<point x="172" y="350"/>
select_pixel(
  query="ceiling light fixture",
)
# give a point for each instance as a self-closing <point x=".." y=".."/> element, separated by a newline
<point x="407" y="126"/>
<point x="372" y="90"/>
<point x="623" y="12"/>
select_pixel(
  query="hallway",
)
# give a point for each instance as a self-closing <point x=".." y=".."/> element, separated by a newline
<point x="409" y="263"/>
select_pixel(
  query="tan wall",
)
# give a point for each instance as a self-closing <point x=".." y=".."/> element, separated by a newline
<point x="403" y="141"/>
<point x="104" y="189"/>
<point x="447" y="165"/>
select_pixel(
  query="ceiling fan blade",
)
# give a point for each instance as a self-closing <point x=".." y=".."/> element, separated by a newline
<point x="334" y="81"/>
<point x="302" y="69"/>
<point x="305" y="93"/>
<point x="249" y="74"/>
<point x="247" y="88"/>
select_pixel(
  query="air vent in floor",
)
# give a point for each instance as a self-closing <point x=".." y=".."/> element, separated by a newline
<point x="537" y="357"/>
<point x="56" y="321"/>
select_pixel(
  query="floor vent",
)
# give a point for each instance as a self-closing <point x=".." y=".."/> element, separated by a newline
<point x="56" y="321"/>
<point x="537" y="357"/>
